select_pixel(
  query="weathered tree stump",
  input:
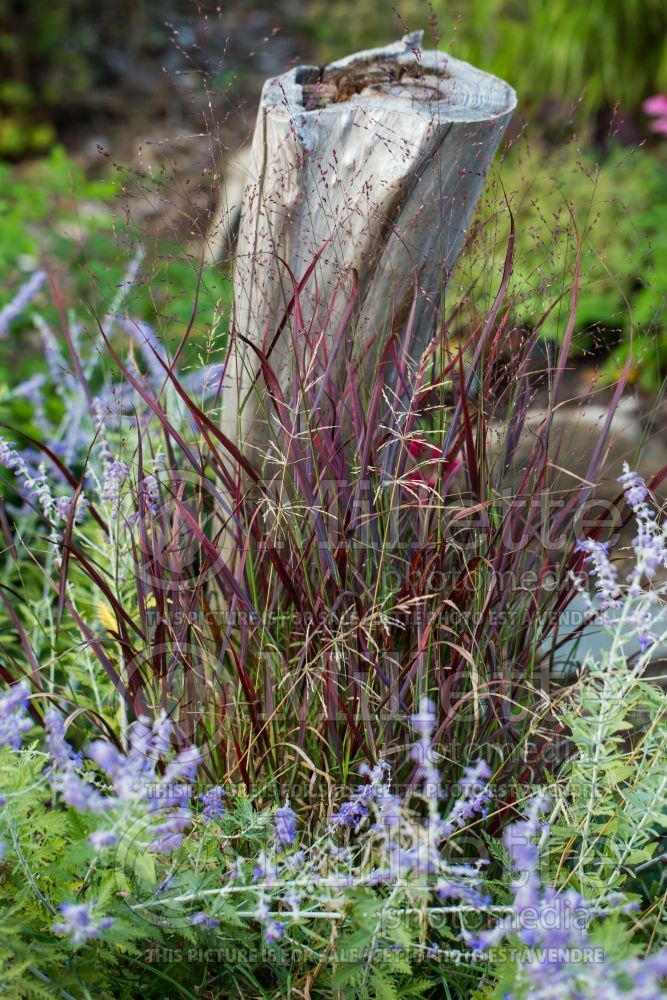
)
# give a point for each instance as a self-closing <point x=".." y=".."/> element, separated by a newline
<point x="380" y="159"/>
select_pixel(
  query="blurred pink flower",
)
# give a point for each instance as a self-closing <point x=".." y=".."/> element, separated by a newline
<point x="657" y="107"/>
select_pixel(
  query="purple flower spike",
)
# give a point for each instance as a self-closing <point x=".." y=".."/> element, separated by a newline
<point x="23" y="297"/>
<point x="264" y="870"/>
<point x="115" y="474"/>
<point x="353" y="812"/>
<point x="63" y="508"/>
<point x="33" y="483"/>
<point x="13" y="719"/>
<point x="101" y="839"/>
<point x="424" y="719"/>
<point x="597" y="556"/>
<point x="78" y="923"/>
<point x="184" y="765"/>
<point x="61" y="753"/>
<point x="474" y="799"/>
<point x="274" y="931"/>
<point x="106" y="755"/>
<point x="649" y="543"/>
<point x="285" y="825"/>
<point x="424" y="722"/>
<point x="214" y="803"/>
<point x="78" y="794"/>
<point x="165" y="845"/>
<point x="350" y="814"/>
<point x="150" y="490"/>
<point x="149" y="344"/>
<point x="634" y="487"/>
<point x="201" y="919"/>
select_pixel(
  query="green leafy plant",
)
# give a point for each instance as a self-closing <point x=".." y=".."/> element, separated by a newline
<point x="54" y="55"/>
<point x="617" y="208"/>
<point x="610" y="814"/>
<point x="56" y="219"/>
<point x="586" y="58"/>
<point x="112" y="868"/>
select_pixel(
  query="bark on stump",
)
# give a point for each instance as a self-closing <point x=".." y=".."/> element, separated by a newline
<point x="382" y="157"/>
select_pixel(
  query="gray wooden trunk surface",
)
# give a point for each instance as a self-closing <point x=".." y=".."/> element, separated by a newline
<point x="380" y="158"/>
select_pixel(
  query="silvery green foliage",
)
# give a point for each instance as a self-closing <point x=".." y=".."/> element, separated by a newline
<point x="611" y="797"/>
<point x="85" y="419"/>
<point x="556" y="955"/>
<point x="134" y="855"/>
<point x="609" y="814"/>
<point x="633" y="608"/>
<point x="601" y="846"/>
<point x="614" y="791"/>
<point x="131" y="859"/>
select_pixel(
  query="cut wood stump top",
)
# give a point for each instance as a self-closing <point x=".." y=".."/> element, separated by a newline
<point x="429" y="84"/>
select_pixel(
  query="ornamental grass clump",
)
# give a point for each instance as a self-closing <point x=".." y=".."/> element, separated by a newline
<point x="288" y="609"/>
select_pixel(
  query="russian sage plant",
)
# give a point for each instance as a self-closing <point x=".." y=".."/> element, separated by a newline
<point x="616" y="777"/>
<point x="388" y="878"/>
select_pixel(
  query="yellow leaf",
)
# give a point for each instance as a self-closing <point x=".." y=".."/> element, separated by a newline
<point x="106" y="617"/>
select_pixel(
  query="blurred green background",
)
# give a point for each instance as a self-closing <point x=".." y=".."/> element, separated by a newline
<point x="117" y="119"/>
<point x="567" y="58"/>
